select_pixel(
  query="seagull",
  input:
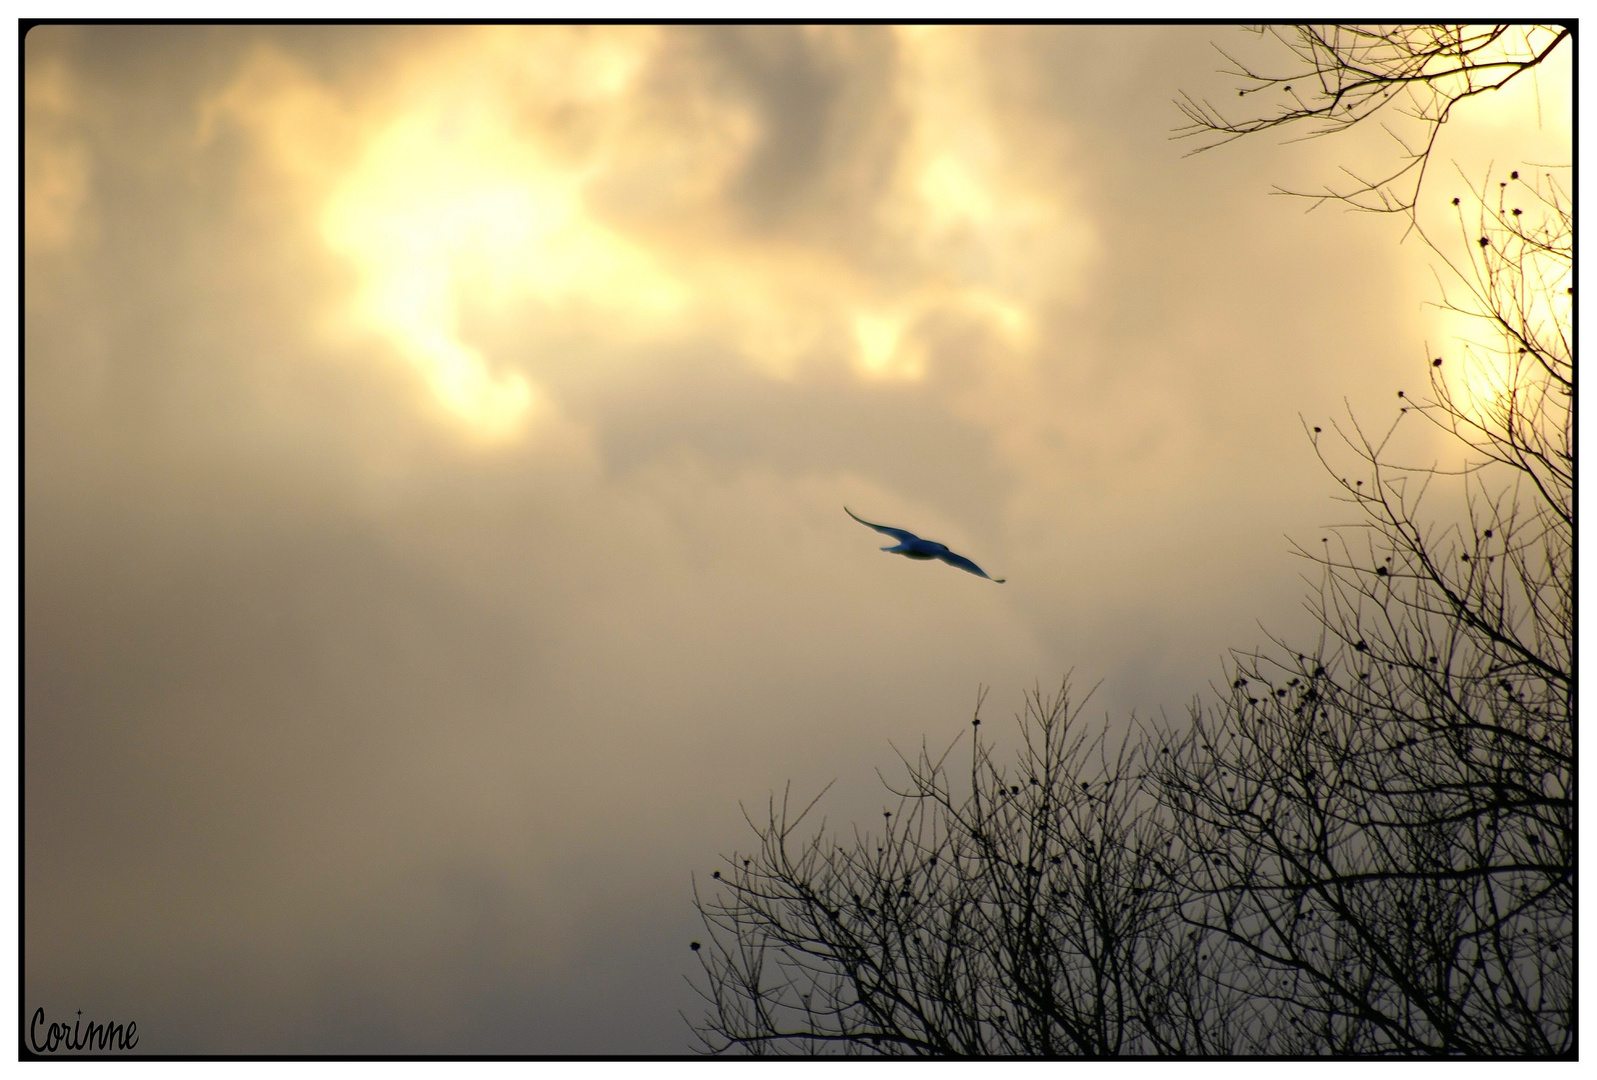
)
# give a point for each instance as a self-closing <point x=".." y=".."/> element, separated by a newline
<point x="913" y="547"/>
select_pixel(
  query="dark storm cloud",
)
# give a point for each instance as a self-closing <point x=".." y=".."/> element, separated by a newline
<point x="786" y="74"/>
<point x="819" y="97"/>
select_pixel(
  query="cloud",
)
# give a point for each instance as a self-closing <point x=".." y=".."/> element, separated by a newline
<point x="857" y="198"/>
<point x="55" y="158"/>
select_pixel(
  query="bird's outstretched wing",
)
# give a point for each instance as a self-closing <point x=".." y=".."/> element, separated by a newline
<point x="901" y="535"/>
<point x="965" y="564"/>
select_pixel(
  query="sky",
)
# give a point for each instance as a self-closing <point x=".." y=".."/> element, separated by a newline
<point x="436" y="442"/>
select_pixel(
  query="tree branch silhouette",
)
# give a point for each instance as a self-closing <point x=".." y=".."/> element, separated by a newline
<point x="1338" y="76"/>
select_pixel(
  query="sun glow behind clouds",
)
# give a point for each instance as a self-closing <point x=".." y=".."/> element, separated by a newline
<point x="448" y="207"/>
<point x="411" y="218"/>
<point x="1489" y="183"/>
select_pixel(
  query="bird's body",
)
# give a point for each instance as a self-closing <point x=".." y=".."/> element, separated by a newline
<point x="913" y="547"/>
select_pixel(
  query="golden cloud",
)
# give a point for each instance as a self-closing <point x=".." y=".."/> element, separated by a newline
<point x="585" y="176"/>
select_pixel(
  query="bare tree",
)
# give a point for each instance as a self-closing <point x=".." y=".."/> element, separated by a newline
<point x="1382" y="827"/>
<point x="1029" y="911"/>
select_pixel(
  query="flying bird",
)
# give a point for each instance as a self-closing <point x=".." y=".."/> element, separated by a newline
<point x="913" y="547"/>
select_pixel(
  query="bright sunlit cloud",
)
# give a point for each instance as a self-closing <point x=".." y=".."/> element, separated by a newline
<point x="452" y="205"/>
<point x="448" y="206"/>
<point x="56" y="169"/>
<point x="536" y="176"/>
